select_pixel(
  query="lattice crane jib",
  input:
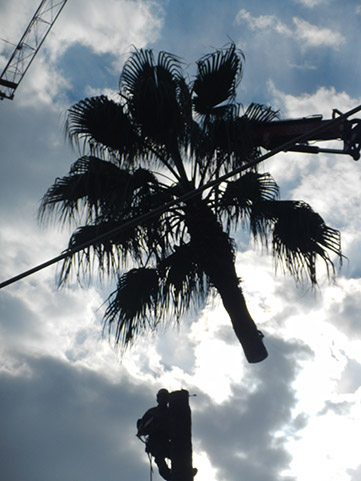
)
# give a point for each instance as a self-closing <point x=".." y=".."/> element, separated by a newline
<point x="28" y="46"/>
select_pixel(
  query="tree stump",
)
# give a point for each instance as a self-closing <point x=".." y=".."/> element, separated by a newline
<point x="181" y="436"/>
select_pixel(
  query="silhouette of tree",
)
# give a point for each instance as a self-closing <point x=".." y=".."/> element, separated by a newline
<point x="165" y="136"/>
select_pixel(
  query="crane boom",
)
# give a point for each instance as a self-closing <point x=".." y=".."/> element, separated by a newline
<point x="28" y="46"/>
<point x="270" y="135"/>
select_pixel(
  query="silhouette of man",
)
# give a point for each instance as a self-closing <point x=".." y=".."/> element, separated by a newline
<point x="155" y="426"/>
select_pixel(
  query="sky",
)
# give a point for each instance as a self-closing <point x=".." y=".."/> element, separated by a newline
<point x="69" y="400"/>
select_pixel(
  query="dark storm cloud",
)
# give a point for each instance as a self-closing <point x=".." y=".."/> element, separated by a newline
<point x="62" y="422"/>
<point x="245" y="436"/>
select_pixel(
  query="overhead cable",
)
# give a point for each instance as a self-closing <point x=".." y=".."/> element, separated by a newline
<point x="158" y="210"/>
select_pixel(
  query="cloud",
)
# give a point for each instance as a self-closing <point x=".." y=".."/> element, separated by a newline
<point x="329" y="457"/>
<point x="263" y="22"/>
<point x="315" y="36"/>
<point x="345" y="308"/>
<point x="328" y="183"/>
<point x="14" y="20"/>
<point x="305" y="33"/>
<point x="355" y="473"/>
<point x="252" y="424"/>
<point x="59" y="410"/>
<point x="312" y="3"/>
<point x="321" y="101"/>
<point x="69" y="386"/>
<point x="67" y="396"/>
<point x="350" y="379"/>
<point x="66" y="423"/>
<point x="117" y="25"/>
<point x="340" y="408"/>
<point x="111" y="30"/>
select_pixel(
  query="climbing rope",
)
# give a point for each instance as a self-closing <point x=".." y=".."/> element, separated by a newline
<point x="150" y="467"/>
<point x="149" y="457"/>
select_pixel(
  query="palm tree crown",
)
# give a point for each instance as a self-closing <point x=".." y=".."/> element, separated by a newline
<point x="163" y="139"/>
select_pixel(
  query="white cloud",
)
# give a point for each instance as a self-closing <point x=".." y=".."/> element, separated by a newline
<point x="320" y="102"/>
<point x="263" y="22"/>
<point x="307" y="34"/>
<point x="14" y="18"/>
<point x="319" y="173"/>
<point x="332" y="456"/>
<point x="111" y="29"/>
<point x="312" y="3"/>
<point x="43" y="84"/>
<point x="315" y="36"/>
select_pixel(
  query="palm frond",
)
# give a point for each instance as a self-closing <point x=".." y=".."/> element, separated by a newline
<point x="134" y="306"/>
<point x="184" y="279"/>
<point x="242" y="195"/>
<point x="261" y="113"/>
<point x="105" y="256"/>
<point x="158" y="227"/>
<point x="103" y="123"/>
<point x="139" y="65"/>
<point x="145" y="297"/>
<point x="169" y="66"/>
<point x="92" y="188"/>
<point x="219" y="145"/>
<point x="218" y="76"/>
<point x="300" y="236"/>
<point x="153" y="94"/>
<point x="132" y="236"/>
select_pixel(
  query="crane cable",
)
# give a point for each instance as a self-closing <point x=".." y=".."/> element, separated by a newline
<point x="159" y="210"/>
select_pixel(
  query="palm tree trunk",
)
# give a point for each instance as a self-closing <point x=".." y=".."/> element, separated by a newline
<point x="181" y="436"/>
<point x="215" y="252"/>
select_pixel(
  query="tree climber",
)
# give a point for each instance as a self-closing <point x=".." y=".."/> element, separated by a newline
<point x="154" y="426"/>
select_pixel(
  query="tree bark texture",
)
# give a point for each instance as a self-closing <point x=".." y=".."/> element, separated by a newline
<point x="181" y="436"/>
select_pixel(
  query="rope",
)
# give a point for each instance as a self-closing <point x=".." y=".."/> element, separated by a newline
<point x="149" y="457"/>
<point x="150" y="466"/>
<point x="284" y="147"/>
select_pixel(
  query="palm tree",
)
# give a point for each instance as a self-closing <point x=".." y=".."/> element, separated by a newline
<point x="159" y="144"/>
